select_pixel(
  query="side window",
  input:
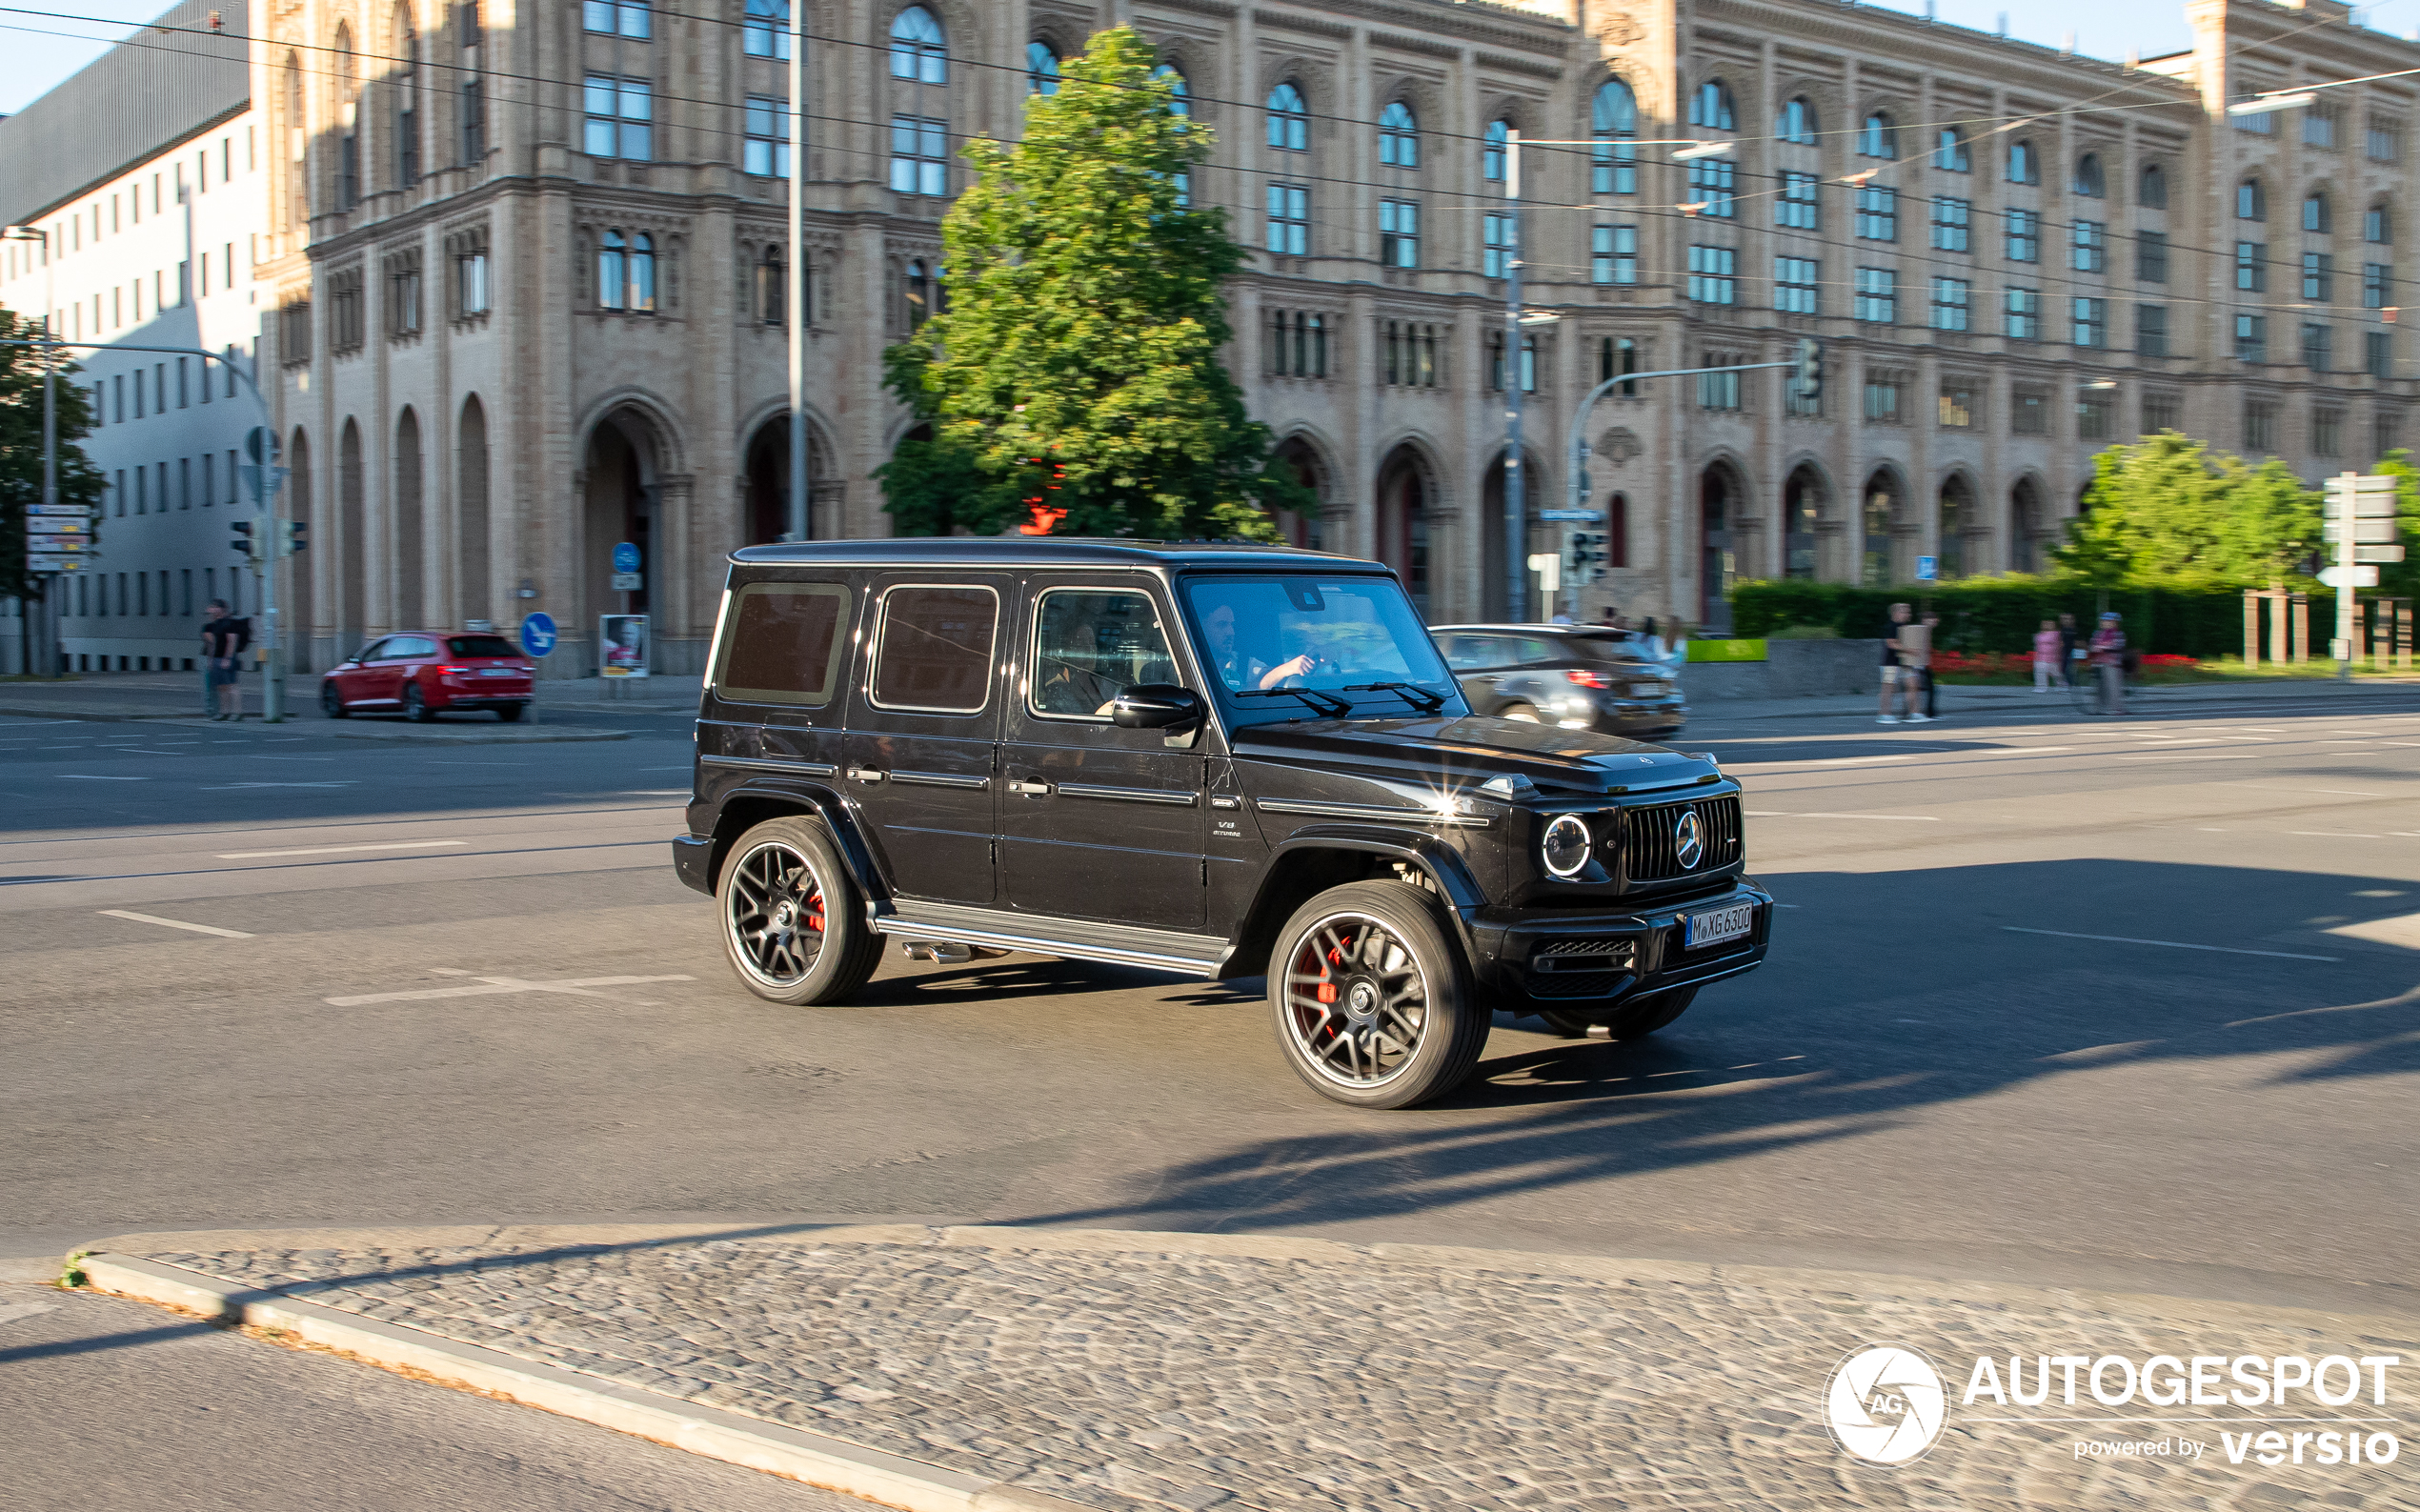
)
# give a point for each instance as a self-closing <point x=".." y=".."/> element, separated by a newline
<point x="1534" y="652"/>
<point x="784" y="643"/>
<point x="1466" y="653"/>
<point x="935" y="653"/>
<point x="376" y="651"/>
<point x="1088" y="644"/>
<point x="403" y="648"/>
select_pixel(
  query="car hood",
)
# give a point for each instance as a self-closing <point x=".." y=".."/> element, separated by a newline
<point x="1470" y="750"/>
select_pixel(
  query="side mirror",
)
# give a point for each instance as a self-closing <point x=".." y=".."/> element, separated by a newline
<point x="1156" y="706"/>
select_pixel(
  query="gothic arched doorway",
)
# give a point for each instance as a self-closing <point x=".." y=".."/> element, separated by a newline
<point x="1404" y="500"/>
<point x="1880" y="513"/>
<point x="1720" y="499"/>
<point x="623" y="498"/>
<point x="767" y="516"/>
<point x="1303" y="460"/>
<point x="1801" y="512"/>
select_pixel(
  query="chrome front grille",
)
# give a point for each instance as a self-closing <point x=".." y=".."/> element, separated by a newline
<point x="1648" y="851"/>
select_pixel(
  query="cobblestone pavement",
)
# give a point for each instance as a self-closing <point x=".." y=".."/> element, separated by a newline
<point x="1118" y="1369"/>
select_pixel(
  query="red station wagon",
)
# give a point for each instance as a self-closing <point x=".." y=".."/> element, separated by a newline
<point x="422" y="673"/>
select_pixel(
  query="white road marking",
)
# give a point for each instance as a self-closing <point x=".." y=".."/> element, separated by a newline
<point x="2167" y="944"/>
<point x="2337" y="834"/>
<point x="490" y="985"/>
<point x="1910" y="818"/>
<point x="90" y="777"/>
<point x="176" y="923"/>
<point x="226" y="786"/>
<point x="2191" y="756"/>
<point x="332" y="850"/>
<point x="2341" y="793"/>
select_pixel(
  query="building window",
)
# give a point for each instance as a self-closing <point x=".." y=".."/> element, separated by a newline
<point x="1496" y="363"/>
<point x="1398" y="136"/>
<point x="1882" y="398"/>
<point x="2385" y="432"/>
<point x="2319" y="278"/>
<point x="2090" y="182"/>
<point x="1398" y="233"/>
<point x="2030" y="415"/>
<point x="1289" y="119"/>
<point x="1613" y="254"/>
<point x="1410" y="354"/>
<point x="471" y="283"/>
<point x="2151" y="329"/>
<point x="407" y="95"/>
<point x="628" y="18"/>
<point x="344" y="311"/>
<point x="770" y="288"/>
<point x="2319" y="346"/>
<point x="619" y="115"/>
<point x="764" y="31"/>
<point x="764" y="150"/>
<point x="1719" y="390"/>
<point x="1878" y="213"/>
<point x="403" y="295"/>
<point x="2315" y="217"/>
<point x="1957" y="405"/>
<point x="918" y="51"/>
<point x="919" y="155"/>
<point x="2251" y="201"/>
<point x="1041" y="68"/>
<point x="293" y="338"/>
<point x="1879" y="137"/>
<point x="1951" y="220"/>
<point x="1713" y="276"/>
<point x="1491" y="150"/>
<point x="2385" y="140"/>
<point x="1616" y="357"/>
<point x="2025" y="236"/>
<point x="2092" y="418"/>
<point x="922" y="293"/>
<point x="2262" y="125"/>
<point x="2251" y="339"/>
<point x="1712" y="181"/>
<point x="1798" y="121"/>
<point x="1710" y="105"/>
<point x="1798" y="285"/>
<point x="1613" y="124"/>
<point x="1877" y="295"/>
<point x="475" y="117"/>
<point x="2092" y="322"/>
<point x="613" y="271"/>
<point x="2252" y="266"/>
<point x="1180" y="103"/>
<point x="1497" y="233"/>
<point x="2375" y="279"/>
<point x="2378" y="360"/>
<point x="2151" y="190"/>
<point x="2151" y="256"/>
<point x="2328" y="433"/>
<point x="2090" y="246"/>
<point x="2260" y="425"/>
<point x="2319" y="126"/>
<point x="2024" y="314"/>
<point x="1949" y="152"/>
<point x="2378" y="225"/>
<point x="1950" y="300"/>
<point x="1289" y="220"/>
<point x="2024" y="164"/>
<point x="2163" y="411"/>
<point x="1796" y="209"/>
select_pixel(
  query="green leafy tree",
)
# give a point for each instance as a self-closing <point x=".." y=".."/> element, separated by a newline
<point x="21" y="445"/>
<point x="2402" y="579"/>
<point x="1076" y="367"/>
<point x="2170" y="509"/>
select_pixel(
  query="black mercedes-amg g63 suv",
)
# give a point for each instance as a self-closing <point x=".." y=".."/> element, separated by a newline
<point x="1215" y="761"/>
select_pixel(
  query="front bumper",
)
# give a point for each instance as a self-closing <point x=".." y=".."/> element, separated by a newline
<point x="1592" y="960"/>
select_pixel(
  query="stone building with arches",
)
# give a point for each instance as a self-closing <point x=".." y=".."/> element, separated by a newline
<point x="526" y="270"/>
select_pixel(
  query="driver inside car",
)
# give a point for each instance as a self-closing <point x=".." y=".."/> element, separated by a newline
<point x="1238" y="671"/>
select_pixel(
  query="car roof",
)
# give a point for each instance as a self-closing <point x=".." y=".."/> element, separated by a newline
<point x="1044" y="551"/>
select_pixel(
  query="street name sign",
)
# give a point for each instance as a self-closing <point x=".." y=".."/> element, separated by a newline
<point x="2355" y="576"/>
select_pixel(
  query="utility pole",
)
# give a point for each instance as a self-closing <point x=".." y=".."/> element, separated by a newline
<point x="793" y="302"/>
<point x="1516" y="505"/>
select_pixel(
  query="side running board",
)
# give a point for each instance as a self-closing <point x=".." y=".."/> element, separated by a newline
<point x="1072" y="938"/>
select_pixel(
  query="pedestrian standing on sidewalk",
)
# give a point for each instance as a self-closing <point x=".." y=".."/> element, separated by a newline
<point x="2050" y="650"/>
<point x="1932" y="629"/>
<point x="2109" y="662"/>
<point x="225" y="637"/>
<point x="1895" y="671"/>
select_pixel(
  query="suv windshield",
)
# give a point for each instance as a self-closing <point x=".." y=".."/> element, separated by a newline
<point x="1344" y="641"/>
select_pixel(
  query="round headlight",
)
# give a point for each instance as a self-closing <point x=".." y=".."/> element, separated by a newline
<point x="1564" y="847"/>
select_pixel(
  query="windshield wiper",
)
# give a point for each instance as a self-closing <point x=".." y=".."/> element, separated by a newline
<point x="1427" y="702"/>
<point x="1327" y="703"/>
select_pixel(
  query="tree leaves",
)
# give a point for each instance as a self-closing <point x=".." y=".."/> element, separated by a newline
<point x="80" y="482"/>
<point x="2170" y="509"/>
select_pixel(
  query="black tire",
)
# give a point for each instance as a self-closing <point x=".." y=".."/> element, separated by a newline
<point x="1641" y="1017"/>
<point x="1403" y="975"/>
<point x="415" y="708"/>
<point x="783" y="887"/>
<point x="332" y="703"/>
<point x="1525" y="712"/>
<point x="510" y="713"/>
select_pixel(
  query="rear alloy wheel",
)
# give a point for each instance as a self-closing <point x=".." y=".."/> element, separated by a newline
<point x="1526" y="714"/>
<point x="1372" y="1000"/>
<point x="332" y="703"/>
<point x="793" y="922"/>
<point x="415" y="708"/>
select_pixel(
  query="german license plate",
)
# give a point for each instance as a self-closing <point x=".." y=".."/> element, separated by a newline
<point x="1722" y="924"/>
<point x="1647" y="690"/>
<point x="501" y="671"/>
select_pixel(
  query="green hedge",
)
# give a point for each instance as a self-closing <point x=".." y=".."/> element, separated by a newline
<point x="2002" y="614"/>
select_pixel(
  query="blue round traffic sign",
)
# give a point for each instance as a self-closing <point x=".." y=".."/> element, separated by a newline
<point x="538" y="634"/>
<point x="626" y="557"/>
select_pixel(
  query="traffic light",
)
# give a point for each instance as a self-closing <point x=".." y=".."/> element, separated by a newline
<point x="1575" y="558"/>
<point x="244" y="543"/>
<point x="1591" y="557"/>
<point x="1810" y="368"/>
<point x="296" y="538"/>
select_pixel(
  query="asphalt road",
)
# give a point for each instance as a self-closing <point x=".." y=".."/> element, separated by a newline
<point x="468" y="989"/>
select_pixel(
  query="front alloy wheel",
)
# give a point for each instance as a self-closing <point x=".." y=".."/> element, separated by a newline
<point x="1372" y="1000"/>
<point x="415" y="705"/>
<point x="332" y="703"/>
<point x="793" y="923"/>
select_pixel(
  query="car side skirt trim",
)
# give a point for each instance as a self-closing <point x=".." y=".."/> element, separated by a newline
<point x="1087" y="790"/>
<point x="1393" y="813"/>
<point x="912" y="927"/>
<point x="812" y="768"/>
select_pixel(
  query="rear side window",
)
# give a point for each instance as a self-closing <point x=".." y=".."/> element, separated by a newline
<point x="784" y="643"/>
<point x="403" y="648"/>
<point x="936" y="654"/>
<point x="481" y="646"/>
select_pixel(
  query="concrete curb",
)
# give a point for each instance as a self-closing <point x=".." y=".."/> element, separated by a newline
<point x="832" y="1463"/>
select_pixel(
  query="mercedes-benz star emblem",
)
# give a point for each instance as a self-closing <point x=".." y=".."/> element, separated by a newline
<point x="1688" y="843"/>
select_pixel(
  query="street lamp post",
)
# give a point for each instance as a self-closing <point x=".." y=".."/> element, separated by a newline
<point x="1516" y="508"/>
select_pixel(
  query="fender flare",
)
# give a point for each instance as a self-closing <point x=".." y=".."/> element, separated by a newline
<point x="803" y="798"/>
<point x="1457" y="889"/>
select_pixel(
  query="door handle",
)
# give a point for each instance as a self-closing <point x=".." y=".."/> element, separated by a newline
<point x="864" y="775"/>
<point x="1030" y="789"/>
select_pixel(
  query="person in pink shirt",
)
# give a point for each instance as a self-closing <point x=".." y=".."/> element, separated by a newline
<point x="2048" y="647"/>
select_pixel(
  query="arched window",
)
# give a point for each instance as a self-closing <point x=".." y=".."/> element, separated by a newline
<point x="406" y="59"/>
<point x="1041" y="68"/>
<point x="1613" y="121"/>
<point x="1181" y="105"/>
<point x="642" y="272"/>
<point x="348" y="121"/>
<point x="770" y="288"/>
<point x="1398" y="136"/>
<point x="1491" y="150"/>
<point x="2024" y="164"/>
<point x="1289" y="119"/>
<point x="2378" y="225"/>
<point x="1798" y="121"/>
<point x="1710" y="107"/>
<point x="1949" y="152"/>
<point x="1879" y="137"/>
<point x="613" y="271"/>
<point x="764" y="32"/>
<point x="2315" y="217"/>
<point x="298" y="178"/>
<point x="917" y="51"/>
<point x="2089" y="181"/>
<point x="2251" y="201"/>
<point x="2152" y="195"/>
<point x="922" y="293"/>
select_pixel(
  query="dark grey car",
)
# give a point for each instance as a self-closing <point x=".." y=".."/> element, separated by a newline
<point x="1579" y="676"/>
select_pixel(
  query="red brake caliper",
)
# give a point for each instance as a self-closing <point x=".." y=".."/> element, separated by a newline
<point x="1327" y="982"/>
<point x="814" y="912"/>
